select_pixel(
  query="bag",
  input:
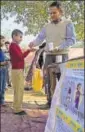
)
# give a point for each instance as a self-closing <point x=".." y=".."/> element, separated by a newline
<point x="37" y="80"/>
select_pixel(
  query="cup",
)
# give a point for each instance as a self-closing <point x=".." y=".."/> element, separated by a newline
<point x="50" y="46"/>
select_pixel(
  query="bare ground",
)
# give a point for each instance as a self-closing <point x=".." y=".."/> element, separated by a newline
<point x="33" y="121"/>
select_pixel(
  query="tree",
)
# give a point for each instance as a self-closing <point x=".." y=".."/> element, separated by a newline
<point x="34" y="14"/>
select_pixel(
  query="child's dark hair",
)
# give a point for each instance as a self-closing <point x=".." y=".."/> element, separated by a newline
<point x="57" y="4"/>
<point x="79" y="84"/>
<point x="7" y="42"/>
<point x="2" y="37"/>
<point x="16" y="32"/>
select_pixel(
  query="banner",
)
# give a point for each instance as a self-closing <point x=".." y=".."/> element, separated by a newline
<point x="67" y="110"/>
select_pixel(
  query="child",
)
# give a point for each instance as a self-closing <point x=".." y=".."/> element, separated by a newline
<point x="68" y="98"/>
<point x="8" y="79"/>
<point x="3" y="64"/>
<point x="77" y="95"/>
<point x="17" y="61"/>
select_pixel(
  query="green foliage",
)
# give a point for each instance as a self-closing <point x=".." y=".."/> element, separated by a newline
<point x="34" y="14"/>
<point x="78" y="45"/>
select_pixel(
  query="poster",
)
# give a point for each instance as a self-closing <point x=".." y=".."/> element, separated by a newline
<point x="67" y="110"/>
<point x="72" y="93"/>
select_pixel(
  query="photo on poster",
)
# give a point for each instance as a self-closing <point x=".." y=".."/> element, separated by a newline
<point x="72" y="95"/>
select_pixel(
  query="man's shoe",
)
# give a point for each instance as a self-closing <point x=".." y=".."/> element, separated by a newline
<point x="20" y="113"/>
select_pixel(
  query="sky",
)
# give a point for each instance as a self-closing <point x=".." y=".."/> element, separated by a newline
<point x="7" y="26"/>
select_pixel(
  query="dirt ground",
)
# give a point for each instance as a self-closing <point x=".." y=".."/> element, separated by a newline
<point x="33" y="121"/>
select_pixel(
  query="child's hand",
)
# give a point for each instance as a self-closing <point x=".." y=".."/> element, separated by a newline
<point x="31" y="44"/>
<point x="32" y="50"/>
<point x="4" y="63"/>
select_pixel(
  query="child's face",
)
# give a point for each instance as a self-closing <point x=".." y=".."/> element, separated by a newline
<point x="2" y="42"/>
<point x="79" y="87"/>
<point x="18" y="38"/>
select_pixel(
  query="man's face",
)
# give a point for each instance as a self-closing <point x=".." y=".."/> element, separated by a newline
<point x="18" y="38"/>
<point x="55" y="13"/>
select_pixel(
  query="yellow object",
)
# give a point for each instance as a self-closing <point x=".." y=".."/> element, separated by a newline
<point x="37" y="80"/>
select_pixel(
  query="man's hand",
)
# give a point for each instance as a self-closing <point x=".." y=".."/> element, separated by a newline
<point x="56" y="48"/>
<point x="31" y="45"/>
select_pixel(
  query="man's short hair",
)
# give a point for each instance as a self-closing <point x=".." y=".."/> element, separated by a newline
<point x="57" y="4"/>
<point x="2" y="37"/>
<point x="16" y="32"/>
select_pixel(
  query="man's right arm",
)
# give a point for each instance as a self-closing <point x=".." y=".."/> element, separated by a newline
<point x="40" y="38"/>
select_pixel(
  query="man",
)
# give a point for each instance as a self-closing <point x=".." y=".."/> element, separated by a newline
<point x="59" y="32"/>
